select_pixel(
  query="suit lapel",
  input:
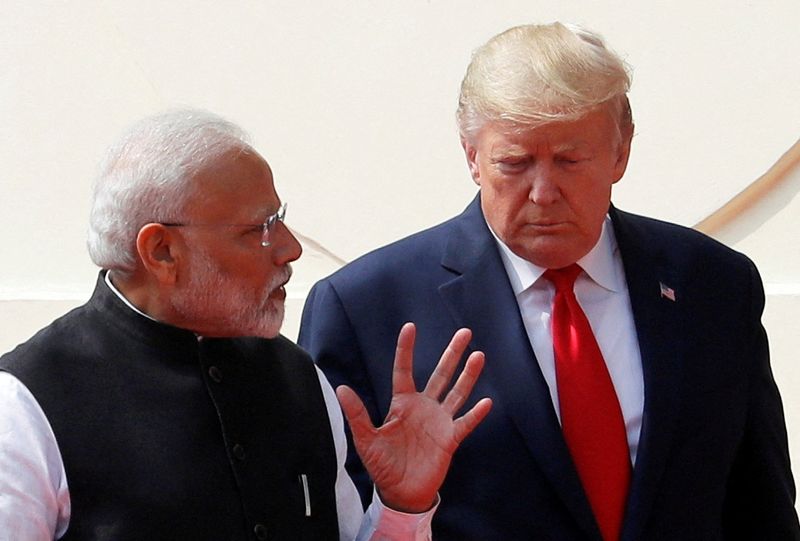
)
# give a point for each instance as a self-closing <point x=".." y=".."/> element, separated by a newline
<point x="658" y="326"/>
<point x="480" y="297"/>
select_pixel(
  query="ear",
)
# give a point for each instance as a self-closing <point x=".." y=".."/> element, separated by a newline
<point x="159" y="249"/>
<point x="471" y="153"/>
<point x="623" y="153"/>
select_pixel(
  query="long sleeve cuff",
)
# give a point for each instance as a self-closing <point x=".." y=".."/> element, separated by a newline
<point x="382" y="523"/>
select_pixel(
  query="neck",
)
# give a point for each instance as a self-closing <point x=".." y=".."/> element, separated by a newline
<point x="140" y="292"/>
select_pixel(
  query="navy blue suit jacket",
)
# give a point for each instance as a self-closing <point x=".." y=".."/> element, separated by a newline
<point x="712" y="461"/>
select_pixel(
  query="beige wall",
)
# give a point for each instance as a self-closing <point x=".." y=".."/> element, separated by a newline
<point x="352" y="103"/>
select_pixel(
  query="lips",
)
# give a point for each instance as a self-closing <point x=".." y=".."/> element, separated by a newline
<point x="545" y="224"/>
<point x="279" y="292"/>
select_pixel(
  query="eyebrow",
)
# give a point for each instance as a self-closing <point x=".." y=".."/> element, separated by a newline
<point x="516" y="151"/>
<point x="567" y="147"/>
<point x="265" y="212"/>
<point x="507" y="150"/>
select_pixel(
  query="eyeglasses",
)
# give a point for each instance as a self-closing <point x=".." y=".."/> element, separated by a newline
<point x="266" y="228"/>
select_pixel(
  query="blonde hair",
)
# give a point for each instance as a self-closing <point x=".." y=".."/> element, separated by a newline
<point x="535" y="74"/>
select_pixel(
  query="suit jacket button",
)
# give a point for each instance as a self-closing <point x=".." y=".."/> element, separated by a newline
<point x="238" y="451"/>
<point x="261" y="532"/>
<point x="215" y="374"/>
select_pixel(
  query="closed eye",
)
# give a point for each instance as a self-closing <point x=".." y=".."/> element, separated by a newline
<point x="571" y="159"/>
<point x="513" y="165"/>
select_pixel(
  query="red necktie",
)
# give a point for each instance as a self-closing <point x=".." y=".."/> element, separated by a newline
<point x="591" y="418"/>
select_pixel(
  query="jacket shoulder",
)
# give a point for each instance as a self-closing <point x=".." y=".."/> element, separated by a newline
<point x="684" y="245"/>
<point x="420" y="250"/>
<point x="55" y="341"/>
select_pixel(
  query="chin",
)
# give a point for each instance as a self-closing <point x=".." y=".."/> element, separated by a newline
<point x="550" y="253"/>
<point x="270" y="325"/>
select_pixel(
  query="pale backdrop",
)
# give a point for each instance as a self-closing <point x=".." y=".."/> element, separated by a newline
<point x="352" y="104"/>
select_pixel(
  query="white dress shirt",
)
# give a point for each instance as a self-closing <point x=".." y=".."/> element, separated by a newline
<point x="602" y="292"/>
<point x="34" y="493"/>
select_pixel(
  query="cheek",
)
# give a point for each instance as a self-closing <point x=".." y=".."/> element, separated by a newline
<point x="511" y="198"/>
<point x="590" y="203"/>
<point x="503" y="209"/>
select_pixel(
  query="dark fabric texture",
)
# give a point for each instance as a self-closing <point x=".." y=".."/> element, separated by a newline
<point x="167" y="436"/>
<point x="712" y="461"/>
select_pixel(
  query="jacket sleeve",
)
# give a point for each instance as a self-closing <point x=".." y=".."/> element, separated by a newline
<point x="761" y="492"/>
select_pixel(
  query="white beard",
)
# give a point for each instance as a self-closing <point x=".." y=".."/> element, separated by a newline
<point x="220" y="305"/>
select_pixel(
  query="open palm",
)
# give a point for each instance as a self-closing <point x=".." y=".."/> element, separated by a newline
<point x="409" y="455"/>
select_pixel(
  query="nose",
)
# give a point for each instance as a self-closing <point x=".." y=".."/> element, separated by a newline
<point x="286" y="248"/>
<point x="544" y="188"/>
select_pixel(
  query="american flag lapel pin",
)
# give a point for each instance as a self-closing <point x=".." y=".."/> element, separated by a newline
<point x="666" y="291"/>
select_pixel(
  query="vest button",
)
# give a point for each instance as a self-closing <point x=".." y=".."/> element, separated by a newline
<point x="261" y="531"/>
<point x="238" y="451"/>
<point x="215" y="374"/>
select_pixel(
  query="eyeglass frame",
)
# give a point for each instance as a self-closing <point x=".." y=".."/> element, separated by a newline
<point x="266" y="227"/>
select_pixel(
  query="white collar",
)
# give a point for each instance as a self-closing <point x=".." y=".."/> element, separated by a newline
<point x="119" y="294"/>
<point x="599" y="263"/>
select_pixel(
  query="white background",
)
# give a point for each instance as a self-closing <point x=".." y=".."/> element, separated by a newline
<point x="352" y="103"/>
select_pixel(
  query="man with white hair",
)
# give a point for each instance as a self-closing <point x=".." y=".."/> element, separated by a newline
<point x="168" y="407"/>
<point x="633" y="396"/>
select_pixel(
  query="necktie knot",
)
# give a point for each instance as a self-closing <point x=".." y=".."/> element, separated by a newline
<point x="564" y="278"/>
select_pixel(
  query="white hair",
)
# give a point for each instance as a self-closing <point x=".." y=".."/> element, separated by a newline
<point x="146" y="177"/>
<point x="534" y="74"/>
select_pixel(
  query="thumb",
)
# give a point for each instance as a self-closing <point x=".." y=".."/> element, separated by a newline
<point x="356" y="414"/>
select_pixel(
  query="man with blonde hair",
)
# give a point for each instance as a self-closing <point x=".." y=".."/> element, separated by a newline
<point x="633" y="397"/>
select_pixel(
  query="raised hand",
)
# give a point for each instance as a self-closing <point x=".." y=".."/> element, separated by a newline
<point x="409" y="455"/>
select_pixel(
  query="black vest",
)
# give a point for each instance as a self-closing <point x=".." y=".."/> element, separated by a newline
<point x="167" y="436"/>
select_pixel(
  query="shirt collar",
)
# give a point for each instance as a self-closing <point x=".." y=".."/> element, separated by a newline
<point x="119" y="294"/>
<point x="599" y="263"/>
